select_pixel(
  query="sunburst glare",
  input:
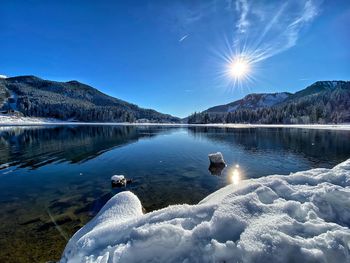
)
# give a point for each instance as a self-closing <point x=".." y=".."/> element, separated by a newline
<point x="239" y="68"/>
<point x="236" y="65"/>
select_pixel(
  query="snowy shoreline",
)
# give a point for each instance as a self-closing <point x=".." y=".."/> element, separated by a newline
<point x="303" y="217"/>
<point x="31" y="121"/>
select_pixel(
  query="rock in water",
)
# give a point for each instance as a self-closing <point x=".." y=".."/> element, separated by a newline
<point x="216" y="169"/>
<point x="118" y="180"/>
<point x="117" y="177"/>
<point x="216" y="159"/>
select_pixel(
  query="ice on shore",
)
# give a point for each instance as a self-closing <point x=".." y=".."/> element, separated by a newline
<point x="302" y="217"/>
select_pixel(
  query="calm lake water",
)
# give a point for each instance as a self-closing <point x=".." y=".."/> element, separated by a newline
<point x="55" y="179"/>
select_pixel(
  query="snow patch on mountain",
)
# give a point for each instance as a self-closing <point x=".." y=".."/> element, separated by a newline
<point x="252" y="101"/>
<point x="269" y="100"/>
<point x="262" y="100"/>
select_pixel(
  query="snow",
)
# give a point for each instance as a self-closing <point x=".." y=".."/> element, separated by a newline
<point x="269" y="100"/>
<point x="301" y="217"/>
<point x="12" y="120"/>
<point x="8" y="119"/>
<point x="232" y="108"/>
<point x="216" y="158"/>
<point x="344" y="126"/>
<point x="117" y="178"/>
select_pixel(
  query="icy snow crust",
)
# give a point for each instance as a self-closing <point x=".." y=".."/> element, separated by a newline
<point x="302" y="217"/>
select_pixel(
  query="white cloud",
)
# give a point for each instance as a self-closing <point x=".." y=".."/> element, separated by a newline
<point x="308" y="13"/>
<point x="242" y="8"/>
<point x="266" y="29"/>
<point x="183" y="38"/>
<point x="3" y="77"/>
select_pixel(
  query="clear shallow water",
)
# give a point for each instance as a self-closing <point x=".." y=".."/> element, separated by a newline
<point x="54" y="179"/>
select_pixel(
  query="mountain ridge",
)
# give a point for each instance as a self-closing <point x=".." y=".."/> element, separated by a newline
<point x="252" y="100"/>
<point x="320" y="102"/>
<point x="36" y="97"/>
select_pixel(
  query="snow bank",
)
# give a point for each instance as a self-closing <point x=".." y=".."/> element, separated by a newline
<point x="303" y="217"/>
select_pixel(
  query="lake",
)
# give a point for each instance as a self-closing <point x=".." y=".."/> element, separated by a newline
<point x="55" y="179"/>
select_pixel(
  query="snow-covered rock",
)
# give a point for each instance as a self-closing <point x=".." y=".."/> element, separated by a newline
<point x="216" y="158"/>
<point x="117" y="177"/>
<point x="302" y="217"/>
<point x="119" y="180"/>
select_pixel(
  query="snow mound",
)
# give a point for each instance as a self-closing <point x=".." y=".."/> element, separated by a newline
<point x="302" y="217"/>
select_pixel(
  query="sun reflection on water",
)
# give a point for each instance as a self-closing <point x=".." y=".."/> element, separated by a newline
<point x="236" y="176"/>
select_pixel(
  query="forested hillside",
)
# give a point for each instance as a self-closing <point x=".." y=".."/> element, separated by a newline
<point x="322" y="102"/>
<point x="70" y="100"/>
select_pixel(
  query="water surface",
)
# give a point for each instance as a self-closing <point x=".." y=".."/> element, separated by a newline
<point x="54" y="179"/>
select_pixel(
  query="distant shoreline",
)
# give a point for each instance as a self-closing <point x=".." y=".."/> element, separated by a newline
<point x="38" y="122"/>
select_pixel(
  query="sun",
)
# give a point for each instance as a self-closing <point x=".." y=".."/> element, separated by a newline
<point x="239" y="68"/>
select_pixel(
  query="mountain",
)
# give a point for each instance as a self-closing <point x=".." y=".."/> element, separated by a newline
<point x="321" y="102"/>
<point x="320" y="87"/>
<point x="252" y="101"/>
<point x="70" y="100"/>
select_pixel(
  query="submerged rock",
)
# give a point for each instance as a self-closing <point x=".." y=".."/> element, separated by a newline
<point x="216" y="159"/>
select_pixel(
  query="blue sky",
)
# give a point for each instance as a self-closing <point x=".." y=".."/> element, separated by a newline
<point x="171" y="55"/>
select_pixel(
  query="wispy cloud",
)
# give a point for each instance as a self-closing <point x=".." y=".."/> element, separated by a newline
<point x="265" y="28"/>
<point x="269" y="29"/>
<point x="261" y="30"/>
<point x="183" y="38"/>
<point x="308" y="13"/>
<point x="242" y="8"/>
